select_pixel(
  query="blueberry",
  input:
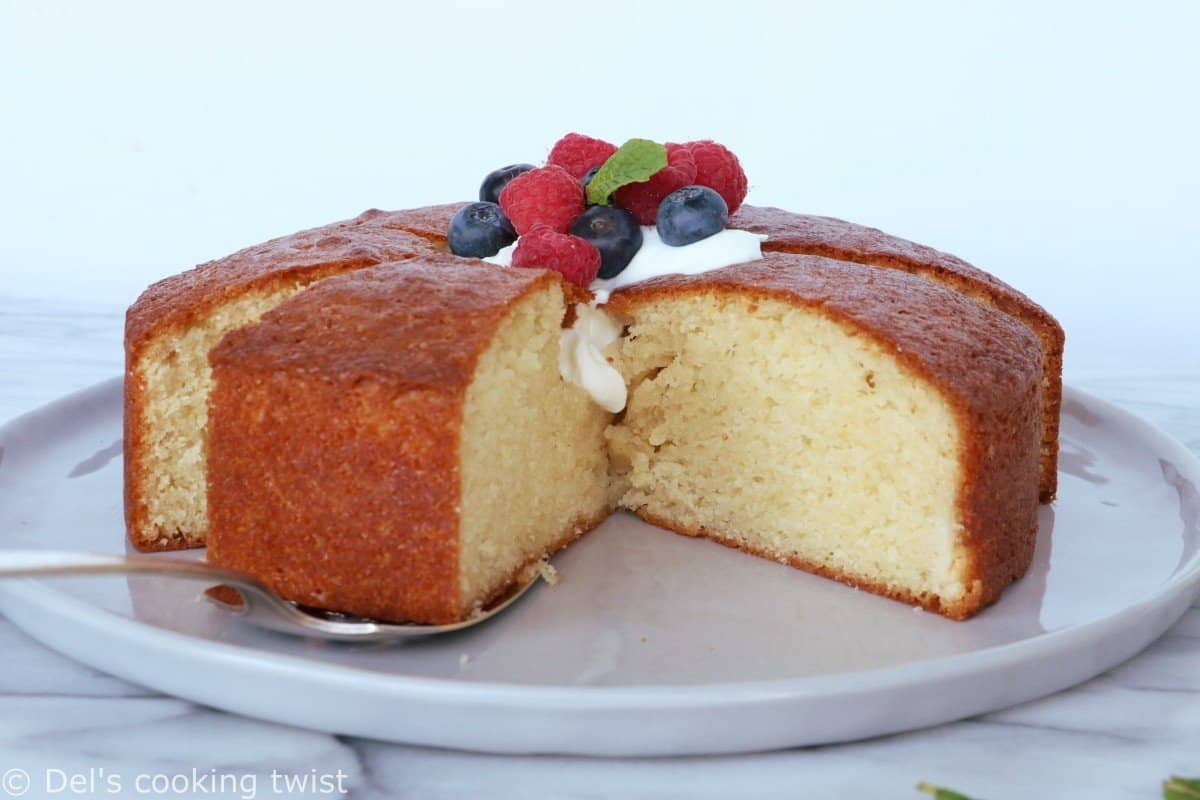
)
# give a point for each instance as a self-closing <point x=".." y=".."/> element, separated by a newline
<point x="690" y="214"/>
<point x="479" y="230"/>
<point x="496" y="180"/>
<point x="587" y="176"/>
<point x="615" y="233"/>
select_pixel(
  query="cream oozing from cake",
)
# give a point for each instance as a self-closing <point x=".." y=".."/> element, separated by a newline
<point x="582" y="360"/>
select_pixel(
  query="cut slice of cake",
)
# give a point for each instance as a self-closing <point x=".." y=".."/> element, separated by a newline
<point x="397" y="443"/>
<point x="863" y="424"/>
<point x="168" y="333"/>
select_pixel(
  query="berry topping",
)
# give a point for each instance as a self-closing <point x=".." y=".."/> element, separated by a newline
<point x="614" y="232"/>
<point x="577" y="153"/>
<point x="690" y="214"/>
<point x="642" y="199"/>
<point x="547" y="195"/>
<point x="479" y="230"/>
<point x="543" y="248"/>
<point x="496" y="180"/>
<point x="719" y="169"/>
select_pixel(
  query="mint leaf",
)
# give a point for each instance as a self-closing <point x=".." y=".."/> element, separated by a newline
<point x="634" y="162"/>
<point x="1177" y="788"/>
<point x="940" y="793"/>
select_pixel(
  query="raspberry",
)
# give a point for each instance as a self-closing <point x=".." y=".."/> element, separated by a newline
<point x="575" y="259"/>
<point x="642" y="199"/>
<point x="547" y="195"/>
<point x="719" y="169"/>
<point x="577" y="153"/>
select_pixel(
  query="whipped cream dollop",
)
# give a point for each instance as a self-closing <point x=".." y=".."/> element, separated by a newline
<point x="581" y="358"/>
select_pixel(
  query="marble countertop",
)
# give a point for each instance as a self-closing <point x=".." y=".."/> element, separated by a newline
<point x="1116" y="736"/>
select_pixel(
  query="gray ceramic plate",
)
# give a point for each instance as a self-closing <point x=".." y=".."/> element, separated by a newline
<point x="653" y="643"/>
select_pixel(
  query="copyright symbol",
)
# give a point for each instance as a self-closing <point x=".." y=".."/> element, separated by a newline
<point x="15" y="782"/>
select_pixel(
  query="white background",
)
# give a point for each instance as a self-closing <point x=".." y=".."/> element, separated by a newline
<point x="1053" y="144"/>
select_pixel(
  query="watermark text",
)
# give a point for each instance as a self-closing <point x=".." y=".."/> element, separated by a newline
<point x="102" y="782"/>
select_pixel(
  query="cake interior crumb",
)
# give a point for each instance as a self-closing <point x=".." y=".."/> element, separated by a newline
<point x="549" y="573"/>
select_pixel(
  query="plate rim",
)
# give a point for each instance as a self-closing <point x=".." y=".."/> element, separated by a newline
<point x="1186" y="579"/>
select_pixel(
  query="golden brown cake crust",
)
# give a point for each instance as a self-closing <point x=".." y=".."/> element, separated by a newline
<point x="430" y="222"/>
<point x="987" y="365"/>
<point x="364" y="241"/>
<point x="354" y="391"/>
<point x="418" y="325"/>
<point x="846" y="241"/>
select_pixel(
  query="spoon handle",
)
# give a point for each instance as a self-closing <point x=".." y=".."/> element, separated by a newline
<point x="64" y="563"/>
<point x="259" y="604"/>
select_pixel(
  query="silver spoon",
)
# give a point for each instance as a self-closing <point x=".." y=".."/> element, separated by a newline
<point x="260" y="605"/>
